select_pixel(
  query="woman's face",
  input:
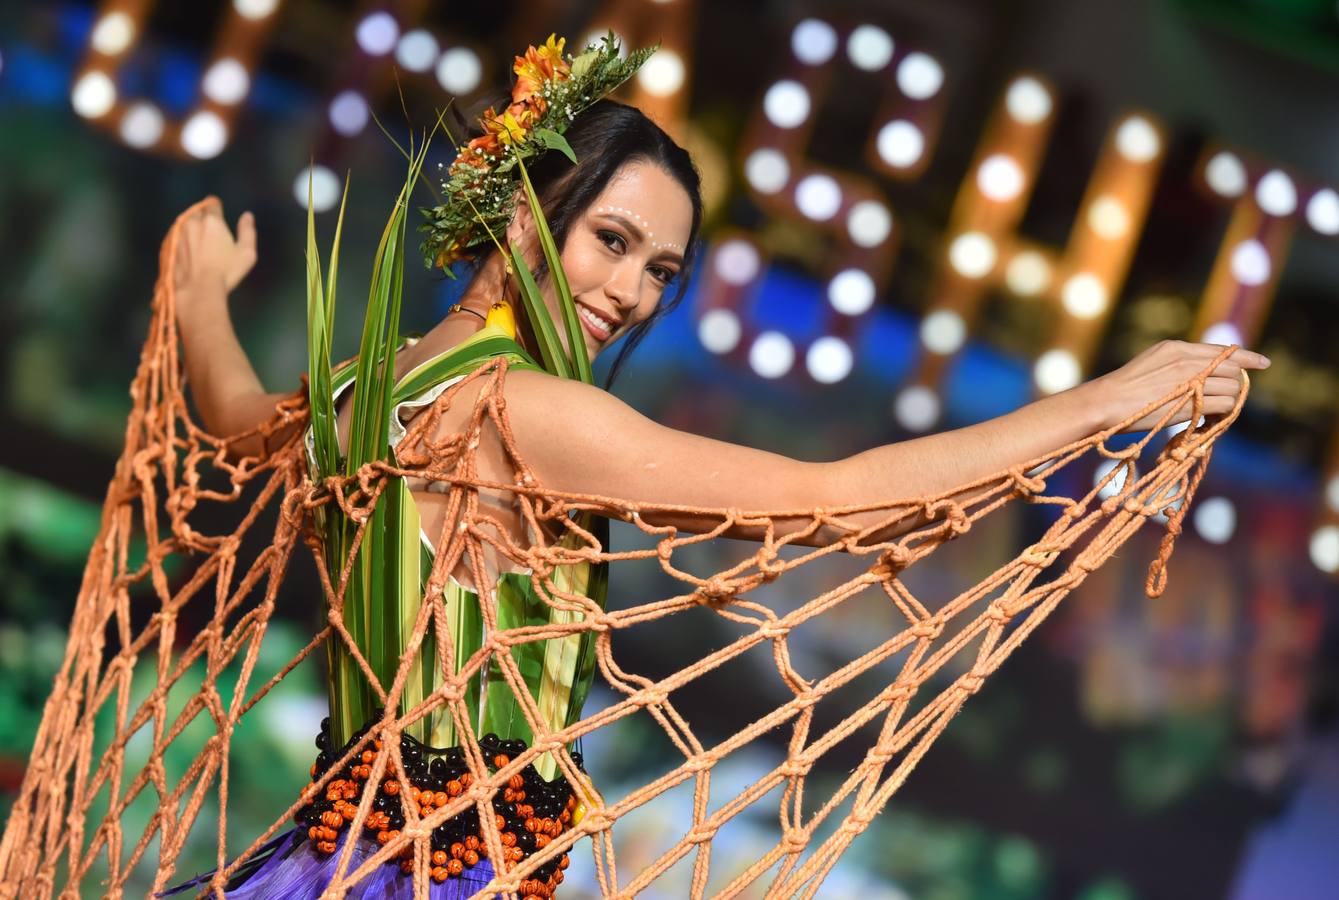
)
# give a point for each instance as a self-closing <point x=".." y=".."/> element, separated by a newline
<point x="624" y="252"/>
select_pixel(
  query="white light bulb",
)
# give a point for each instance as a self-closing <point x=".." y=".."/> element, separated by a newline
<point x="786" y="104"/>
<point x="943" y="332"/>
<point x="1322" y="211"/>
<point x="349" y="113"/>
<point x="900" y="144"/>
<point x="772" y="354"/>
<point x="813" y="42"/>
<point x="113" y="33"/>
<point x="94" y="95"/>
<point x="142" y="125"/>
<point x="972" y="254"/>
<point x="1225" y="174"/>
<point x="818" y="196"/>
<point x="378" y="33"/>
<point x="851" y="292"/>
<point x="324" y="188"/>
<point x="1137" y="140"/>
<point x="1275" y="194"/>
<point x="1250" y="263"/>
<point x="1108" y="218"/>
<point x="1055" y="371"/>
<point x="916" y="408"/>
<point x="869" y="223"/>
<point x="417" y="50"/>
<point x="204" y="135"/>
<point x="1000" y="178"/>
<point x="226" y="81"/>
<point x="1028" y="101"/>
<point x="1084" y="296"/>
<point x="1028" y="273"/>
<point x="829" y="360"/>
<point x="1215" y="519"/>
<point x="719" y="331"/>
<point x="919" y="76"/>
<point x="869" y="47"/>
<point x="737" y="262"/>
<point x="1324" y="547"/>
<point x="767" y="170"/>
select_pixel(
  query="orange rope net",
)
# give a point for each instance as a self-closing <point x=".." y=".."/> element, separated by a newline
<point x="50" y="844"/>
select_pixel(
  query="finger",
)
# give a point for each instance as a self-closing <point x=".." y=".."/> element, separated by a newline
<point x="1250" y="359"/>
<point x="1222" y="387"/>
<point x="246" y="233"/>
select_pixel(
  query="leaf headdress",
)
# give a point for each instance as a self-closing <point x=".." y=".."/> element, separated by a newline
<point x="480" y="186"/>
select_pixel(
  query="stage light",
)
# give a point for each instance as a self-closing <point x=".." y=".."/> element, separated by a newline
<point x="1250" y="263"/>
<point x="254" y="9"/>
<point x="378" y="33"/>
<point x="767" y="170"/>
<point x="851" y="292"/>
<point x="813" y="42"/>
<point x="1332" y="493"/>
<point x="113" y="33"/>
<point x="417" y="50"/>
<point x="226" y="81"/>
<point x="459" y="70"/>
<point x="818" y="196"/>
<point x="1084" y="296"/>
<point x="348" y="113"/>
<point x="1215" y="519"/>
<point x="869" y="223"/>
<point x="1108" y="218"/>
<point x="1137" y="140"/>
<point x="1028" y="273"/>
<point x="1117" y="482"/>
<point x="325" y="188"/>
<point x="719" y="330"/>
<point x="142" y="125"/>
<point x="916" y="408"/>
<point x="1000" y="177"/>
<point x="1224" y="333"/>
<point x="662" y="74"/>
<point x="737" y="262"/>
<point x="1028" y="101"/>
<point x="869" y="47"/>
<point x="1225" y="175"/>
<point x="1322" y="211"/>
<point x="972" y="254"/>
<point x="204" y="135"/>
<point x="900" y="144"/>
<point x="829" y="360"/>
<point x="1055" y="371"/>
<point x="919" y="76"/>
<point x="786" y="104"/>
<point x="943" y="332"/>
<point x="1275" y="194"/>
<point x="772" y="354"/>
<point x="94" y="95"/>
<point x="1325" y="548"/>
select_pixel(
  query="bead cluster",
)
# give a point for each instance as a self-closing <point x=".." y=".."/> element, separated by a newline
<point x="530" y="814"/>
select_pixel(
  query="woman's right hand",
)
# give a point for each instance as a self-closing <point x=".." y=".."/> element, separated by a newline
<point x="208" y="259"/>
<point x="1160" y="369"/>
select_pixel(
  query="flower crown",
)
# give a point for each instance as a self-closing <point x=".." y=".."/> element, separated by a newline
<point x="481" y="185"/>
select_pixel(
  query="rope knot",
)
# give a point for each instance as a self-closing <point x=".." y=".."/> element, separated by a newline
<point x="772" y="630"/>
<point x="716" y="588"/>
<point x="793" y="768"/>
<point x="971" y="682"/>
<point x="997" y="613"/>
<point x="700" y="833"/>
<point x="899" y="692"/>
<point x="650" y="697"/>
<point x="928" y="629"/>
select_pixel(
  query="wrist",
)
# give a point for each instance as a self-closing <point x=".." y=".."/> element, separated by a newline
<point x="1088" y="405"/>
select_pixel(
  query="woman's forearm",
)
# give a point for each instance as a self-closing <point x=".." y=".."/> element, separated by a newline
<point x="227" y="393"/>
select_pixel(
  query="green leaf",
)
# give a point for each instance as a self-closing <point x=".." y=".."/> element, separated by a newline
<point x="575" y="339"/>
<point x="550" y="349"/>
<point x="319" y="398"/>
<point x="555" y="141"/>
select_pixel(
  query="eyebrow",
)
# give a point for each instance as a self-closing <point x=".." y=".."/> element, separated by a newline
<point x="637" y="233"/>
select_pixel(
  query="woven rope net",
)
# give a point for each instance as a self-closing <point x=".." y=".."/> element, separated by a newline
<point x="52" y="843"/>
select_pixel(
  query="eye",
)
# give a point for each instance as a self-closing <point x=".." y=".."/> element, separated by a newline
<point x="662" y="274"/>
<point x="611" y="239"/>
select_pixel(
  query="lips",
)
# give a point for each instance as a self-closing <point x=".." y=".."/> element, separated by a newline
<point x="597" y="325"/>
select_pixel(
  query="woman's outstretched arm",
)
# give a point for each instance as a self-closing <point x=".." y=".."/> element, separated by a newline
<point x="581" y="439"/>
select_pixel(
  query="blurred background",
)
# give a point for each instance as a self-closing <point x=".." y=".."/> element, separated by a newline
<point x="922" y="214"/>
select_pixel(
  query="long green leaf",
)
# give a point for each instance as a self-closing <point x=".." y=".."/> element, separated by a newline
<point x="319" y="399"/>
<point x="575" y="337"/>
<point x="550" y="349"/>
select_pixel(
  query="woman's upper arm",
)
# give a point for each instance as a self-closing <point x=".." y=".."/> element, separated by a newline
<point x="580" y="439"/>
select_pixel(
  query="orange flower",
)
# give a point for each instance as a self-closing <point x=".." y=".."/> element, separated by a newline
<point x="538" y="65"/>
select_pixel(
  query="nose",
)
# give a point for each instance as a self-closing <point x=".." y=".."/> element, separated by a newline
<point x="622" y="289"/>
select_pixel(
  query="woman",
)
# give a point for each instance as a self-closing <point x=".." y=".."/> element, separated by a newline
<point x="626" y="218"/>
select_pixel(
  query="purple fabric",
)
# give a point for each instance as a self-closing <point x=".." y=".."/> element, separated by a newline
<point x="298" y="871"/>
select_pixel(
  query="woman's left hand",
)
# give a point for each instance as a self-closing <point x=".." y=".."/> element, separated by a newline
<point x="208" y="255"/>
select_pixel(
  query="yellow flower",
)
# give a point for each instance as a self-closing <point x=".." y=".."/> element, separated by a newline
<point x="538" y="65"/>
<point x="512" y="126"/>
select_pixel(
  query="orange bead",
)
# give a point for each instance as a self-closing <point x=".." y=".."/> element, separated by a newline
<point x="439" y="799"/>
<point x="565" y="817"/>
<point x="471" y="858"/>
<point x="542" y="841"/>
<point x="514" y="854"/>
<point x="471" y="842"/>
<point x="467" y="779"/>
<point x="508" y="839"/>
<point x="391" y="787"/>
<point x="516" y="782"/>
<point x="368" y="756"/>
<point x="562" y="862"/>
<point x="407" y="867"/>
<point x="457" y="850"/>
<point x="326" y="847"/>
<point x="455" y="867"/>
<point x="454" y="787"/>
<point x="383" y="837"/>
<point x="500" y="820"/>
<point x="311" y="833"/>
<point x="439" y="857"/>
<point x="313" y="770"/>
<point x="501" y="760"/>
<point x="438" y="874"/>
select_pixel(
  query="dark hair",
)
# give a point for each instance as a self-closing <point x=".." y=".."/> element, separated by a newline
<point x="606" y="136"/>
